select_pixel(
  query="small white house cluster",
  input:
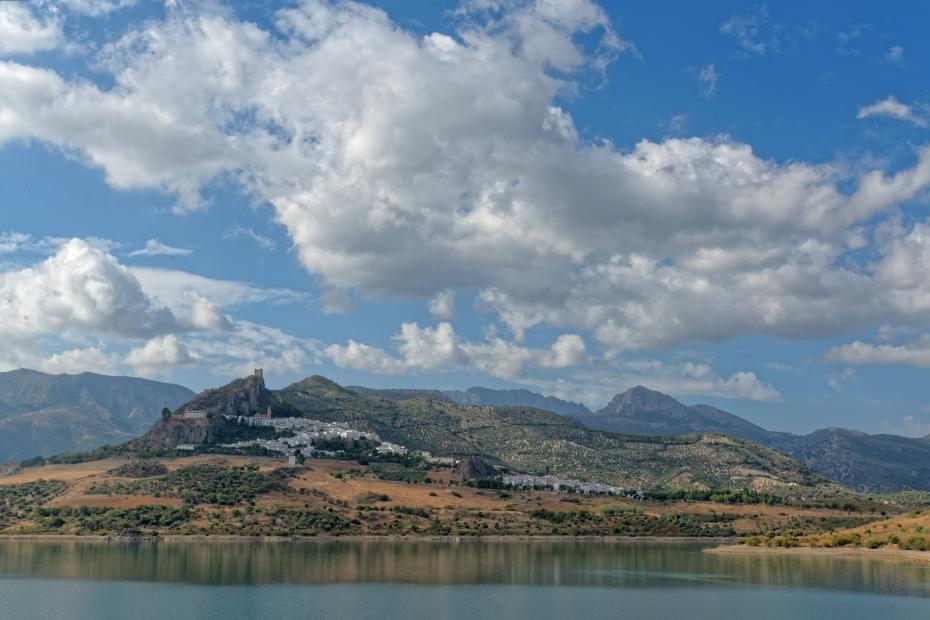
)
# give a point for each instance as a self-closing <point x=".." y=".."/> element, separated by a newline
<point x="306" y="433"/>
<point x="554" y="483"/>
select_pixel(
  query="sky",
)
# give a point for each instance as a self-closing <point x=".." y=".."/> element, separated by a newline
<point x="722" y="201"/>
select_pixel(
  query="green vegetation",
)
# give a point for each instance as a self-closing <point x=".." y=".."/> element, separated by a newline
<point x="398" y="472"/>
<point x="101" y="520"/>
<point x="204" y="484"/>
<point x="72" y="458"/>
<point x="637" y="523"/>
<point x="139" y="469"/>
<point x="17" y="500"/>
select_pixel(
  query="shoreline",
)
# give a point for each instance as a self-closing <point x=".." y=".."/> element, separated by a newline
<point x="233" y="538"/>
<point x="834" y="552"/>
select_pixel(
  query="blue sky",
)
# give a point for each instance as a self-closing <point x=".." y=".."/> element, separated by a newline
<point x="726" y="202"/>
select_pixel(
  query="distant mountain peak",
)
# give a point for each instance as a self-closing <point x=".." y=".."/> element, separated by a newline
<point x="640" y="399"/>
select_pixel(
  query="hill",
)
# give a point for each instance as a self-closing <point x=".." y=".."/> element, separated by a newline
<point x="516" y="398"/>
<point x="42" y="414"/>
<point x="520" y="438"/>
<point x="643" y="411"/>
<point x="868" y="463"/>
<point x="480" y="396"/>
<point x="400" y="394"/>
<point x="871" y="463"/>
<point x="257" y="496"/>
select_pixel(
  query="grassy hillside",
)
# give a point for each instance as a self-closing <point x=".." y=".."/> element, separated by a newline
<point x="258" y="496"/>
<point x="538" y="441"/>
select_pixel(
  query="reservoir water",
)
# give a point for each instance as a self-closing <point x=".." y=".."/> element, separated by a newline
<point x="469" y="580"/>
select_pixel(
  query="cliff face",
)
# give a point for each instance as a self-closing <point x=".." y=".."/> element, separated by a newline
<point x="168" y="433"/>
<point x="247" y="396"/>
<point x="242" y="397"/>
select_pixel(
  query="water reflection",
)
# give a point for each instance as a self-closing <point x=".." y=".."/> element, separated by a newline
<point x="626" y="565"/>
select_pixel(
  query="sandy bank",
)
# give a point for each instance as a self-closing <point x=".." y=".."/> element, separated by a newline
<point x="836" y="552"/>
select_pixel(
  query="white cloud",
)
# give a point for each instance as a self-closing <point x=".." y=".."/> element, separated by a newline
<point x="752" y="31"/>
<point x="442" y="305"/>
<point x="782" y="367"/>
<point x="22" y="31"/>
<point x="365" y="357"/>
<point x="597" y="386"/>
<point x="154" y="247"/>
<point x="237" y="231"/>
<point x="890" y="107"/>
<point x="894" y="55"/>
<point x="159" y="353"/>
<point x="386" y="153"/>
<point x="677" y="123"/>
<point x="95" y="8"/>
<point x="707" y="78"/>
<point x="251" y="345"/>
<point x="14" y="242"/>
<point x="858" y="353"/>
<point x="76" y="361"/>
<point x="202" y="300"/>
<point x="440" y="349"/>
<point x="81" y="289"/>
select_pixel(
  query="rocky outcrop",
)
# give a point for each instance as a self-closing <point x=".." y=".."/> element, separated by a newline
<point x="203" y="418"/>
<point x="247" y="396"/>
<point x="473" y="468"/>
<point x="168" y="433"/>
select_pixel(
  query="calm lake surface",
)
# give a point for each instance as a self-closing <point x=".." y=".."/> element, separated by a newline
<point x="445" y="580"/>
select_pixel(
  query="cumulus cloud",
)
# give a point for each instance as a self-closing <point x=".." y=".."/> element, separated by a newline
<point x="24" y="31"/>
<point x="439" y="348"/>
<point x="442" y="306"/>
<point x="154" y="247"/>
<point x="158" y="353"/>
<point x="76" y="361"/>
<point x="80" y="289"/>
<point x="890" y="107"/>
<point x="251" y="345"/>
<point x="81" y="292"/>
<point x="858" y="353"/>
<point x="361" y="356"/>
<point x="387" y="153"/>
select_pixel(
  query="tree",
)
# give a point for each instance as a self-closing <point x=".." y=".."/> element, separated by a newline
<point x="165" y="412"/>
<point x="299" y="457"/>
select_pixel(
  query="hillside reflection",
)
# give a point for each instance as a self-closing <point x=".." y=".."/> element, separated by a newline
<point x="642" y="565"/>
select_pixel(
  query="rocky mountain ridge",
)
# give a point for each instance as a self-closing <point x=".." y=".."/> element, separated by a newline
<point x="43" y="414"/>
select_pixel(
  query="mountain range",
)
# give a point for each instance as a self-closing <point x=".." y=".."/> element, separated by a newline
<point x="868" y="463"/>
<point x="42" y="414"/>
<point x="50" y="414"/>
<point x="525" y="439"/>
